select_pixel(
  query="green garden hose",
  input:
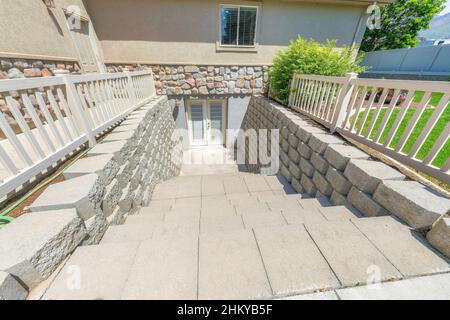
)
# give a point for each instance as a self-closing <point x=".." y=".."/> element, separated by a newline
<point x="4" y="219"/>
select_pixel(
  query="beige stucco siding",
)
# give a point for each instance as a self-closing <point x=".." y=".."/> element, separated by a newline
<point x="29" y="29"/>
<point x="186" y="31"/>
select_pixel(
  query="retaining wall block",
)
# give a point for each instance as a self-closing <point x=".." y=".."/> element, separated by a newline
<point x="439" y="236"/>
<point x="84" y="193"/>
<point x="319" y="142"/>
<point x="338" y="199"/>
<point x="33" y="245"/>
<point x="416" y="204"/>
<point x="366" y="175"/>
<point x="322" y="184"/>
<point x="339" y="155"/>
<point x="365" y="204"/>
<point x="338" y="181"/>
<point x="319" y="163"/>
<point x="10" y="288"/>
<point x="308" y="185"/>
<point x="307" y="168"/>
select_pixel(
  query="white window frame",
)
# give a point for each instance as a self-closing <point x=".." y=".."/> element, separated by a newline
<point x="232" y="47"/>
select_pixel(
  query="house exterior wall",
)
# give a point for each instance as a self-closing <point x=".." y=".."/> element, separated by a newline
<point x="186" y="32"/>
<point x="36" y="39"/>
<point x="30" y="29"/>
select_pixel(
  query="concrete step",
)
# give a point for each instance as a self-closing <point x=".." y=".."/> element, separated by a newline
<point x="230" y="267"/>
<point x="128" y="233"/>
<point x="179" y="222"/>
<point x="235" y="184"/>
<point x="242" y="198"/>
<point x="295" y="217"/>
<point x="293" y="262"/>
<point x="164" y="268"/>
<point x="284" y="205"/>
<point x="340" y="213"/>
<point x="187" y="204"/>
<point x="265" y="194"/>
<point x="256" y="183"/>
<point x="147" y="219"/>
<point x="407" y="250"/>
<point x="353" y="258"/>
<point x="210" y="202"/>
<point x="227" y="210"/>
<point x="94" y="273"/>
<point x="220" y="223"/>
<point x="253" y="220"/>
<point x="434" y="287"/>
<point x="258" y="207"/>
<point x="279" y="183"/>
<point x="158" y="206"/>
<point x="269" y="198"/>
<point x="212" y="186"/>
<point x="315" y="203"/>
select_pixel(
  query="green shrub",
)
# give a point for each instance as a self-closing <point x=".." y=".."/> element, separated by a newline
<point x="310" y="57"/>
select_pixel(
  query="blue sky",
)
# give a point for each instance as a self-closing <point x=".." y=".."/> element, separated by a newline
<point x="446" y="10"/>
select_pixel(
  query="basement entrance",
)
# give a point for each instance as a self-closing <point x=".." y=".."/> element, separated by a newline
<point x="206" y="122"/>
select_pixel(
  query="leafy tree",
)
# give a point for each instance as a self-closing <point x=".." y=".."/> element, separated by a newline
<point x="401" y="22"/>
<point x="310" y="57"/>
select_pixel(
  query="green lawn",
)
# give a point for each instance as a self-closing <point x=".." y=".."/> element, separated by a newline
<point x="435" y="97"/>
<point x="434" y="135"/>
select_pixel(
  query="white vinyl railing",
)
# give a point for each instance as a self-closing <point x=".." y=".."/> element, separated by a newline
<point x="44" y="120"/>
<point x="405" y="120"/>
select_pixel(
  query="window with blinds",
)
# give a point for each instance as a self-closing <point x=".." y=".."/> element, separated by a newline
<point x="238" y="26"/>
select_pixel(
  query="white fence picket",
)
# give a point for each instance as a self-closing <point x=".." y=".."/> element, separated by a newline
<point x="82" y="107"/>
<point x="345" y="105"/>
<point x="24" y="127"/>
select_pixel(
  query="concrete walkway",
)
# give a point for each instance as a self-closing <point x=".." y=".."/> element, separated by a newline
<point x="236" y="235"/>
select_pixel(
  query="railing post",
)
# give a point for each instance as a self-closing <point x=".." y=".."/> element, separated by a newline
<point x="343" y="101"/>
<point x="291" y="81"/>
<point x="152" y="84"/>
<point x="77" y="108"/>
<point x="131" y="87"/>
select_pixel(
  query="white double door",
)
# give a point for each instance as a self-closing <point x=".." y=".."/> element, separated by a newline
<point x="206" y="122"/>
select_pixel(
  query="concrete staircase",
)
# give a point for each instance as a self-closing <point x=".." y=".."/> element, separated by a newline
<point x="246" y="236"/>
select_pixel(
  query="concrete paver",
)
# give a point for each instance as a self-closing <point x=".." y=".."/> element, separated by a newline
<point x="408" y="251"/>
<point x="94" y="273"/>
<point x="294" y="264"/>
<point x="350" y="254"/>
<point x="164" y="268"/>
<point x="435" y="287"/>
<point x="230" y="267"/>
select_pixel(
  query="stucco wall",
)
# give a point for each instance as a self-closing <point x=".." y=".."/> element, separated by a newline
<point x="185" y="32"/>
<point x="30" y="30"/>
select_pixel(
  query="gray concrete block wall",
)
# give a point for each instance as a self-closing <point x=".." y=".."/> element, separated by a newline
<point x="325" y="165"/>
<point x="115" y="179"/>
<point x="130" y="161"/>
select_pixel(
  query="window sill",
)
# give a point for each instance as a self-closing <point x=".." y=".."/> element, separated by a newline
<point x="222" y="48"/>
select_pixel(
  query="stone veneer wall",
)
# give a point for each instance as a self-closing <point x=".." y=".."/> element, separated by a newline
<point x="176" y="80"/>
<point x="13" y="68"/>
<point x="115" y="180"/>
<point x="324" y="165"/>
<point x="20" y="69"/>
